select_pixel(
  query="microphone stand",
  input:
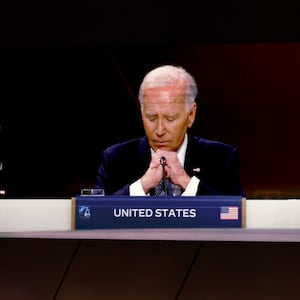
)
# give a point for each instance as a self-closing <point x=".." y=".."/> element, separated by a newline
<point x="163" y="162"/>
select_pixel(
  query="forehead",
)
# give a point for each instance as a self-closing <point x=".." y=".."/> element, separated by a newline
<point x="167" y="92"/>
<point x="164" y="102"/>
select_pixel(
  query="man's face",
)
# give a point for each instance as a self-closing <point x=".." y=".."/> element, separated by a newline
<point x="165" y="117"/>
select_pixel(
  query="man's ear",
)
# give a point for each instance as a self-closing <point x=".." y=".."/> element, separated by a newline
<point x="192" y="115"/>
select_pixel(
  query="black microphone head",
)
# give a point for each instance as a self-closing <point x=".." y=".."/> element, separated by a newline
<point x="163" y="160"/>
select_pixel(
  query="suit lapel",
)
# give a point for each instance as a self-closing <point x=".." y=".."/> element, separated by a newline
<point x="193" y="157"/>
<point x="144" y="154"/>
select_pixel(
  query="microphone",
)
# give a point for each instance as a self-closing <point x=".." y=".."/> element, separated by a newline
<point x="163" y="163"/>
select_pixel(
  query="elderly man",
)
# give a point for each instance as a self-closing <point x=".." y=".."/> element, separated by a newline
<point x="168" y="160"/>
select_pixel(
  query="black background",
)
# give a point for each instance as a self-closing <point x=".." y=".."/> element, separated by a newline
<point x="70" y="72"/>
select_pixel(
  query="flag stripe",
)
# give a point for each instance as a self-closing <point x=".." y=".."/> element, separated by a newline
<point x="229" y="213"/>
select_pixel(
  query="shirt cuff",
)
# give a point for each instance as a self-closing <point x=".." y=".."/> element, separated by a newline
<point x="192" y="187"/>
<point x="136" y="189"/>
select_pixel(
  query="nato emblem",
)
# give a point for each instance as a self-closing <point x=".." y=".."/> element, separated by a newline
<point x="84" y="212"/>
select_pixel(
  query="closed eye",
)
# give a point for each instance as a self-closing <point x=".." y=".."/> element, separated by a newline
<point x="152" y="118"/>
<point x="170" y="119"/>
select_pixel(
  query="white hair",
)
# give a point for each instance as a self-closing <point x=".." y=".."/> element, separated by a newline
<point x="166" y="75"/>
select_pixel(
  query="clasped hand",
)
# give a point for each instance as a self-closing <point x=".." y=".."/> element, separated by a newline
<point x="173" y="170"/>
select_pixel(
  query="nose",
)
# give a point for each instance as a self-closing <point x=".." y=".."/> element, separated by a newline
<point x="160" y="128"/>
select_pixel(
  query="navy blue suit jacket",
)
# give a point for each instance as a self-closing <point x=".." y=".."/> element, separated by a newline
<point x="216" y="165"/>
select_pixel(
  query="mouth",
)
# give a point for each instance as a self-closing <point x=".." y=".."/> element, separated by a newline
<point x="161" y="144"/>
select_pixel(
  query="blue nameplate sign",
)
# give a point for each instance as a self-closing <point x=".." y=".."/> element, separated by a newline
<point x="94" y="212"/>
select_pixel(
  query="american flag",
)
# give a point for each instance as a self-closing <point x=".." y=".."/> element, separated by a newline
<point x="229" y="213"/>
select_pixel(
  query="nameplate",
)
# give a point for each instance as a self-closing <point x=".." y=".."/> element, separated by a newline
<point x="94" y="212"/>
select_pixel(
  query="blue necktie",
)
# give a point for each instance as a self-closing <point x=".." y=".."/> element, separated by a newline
<point x="166" y="188"/>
